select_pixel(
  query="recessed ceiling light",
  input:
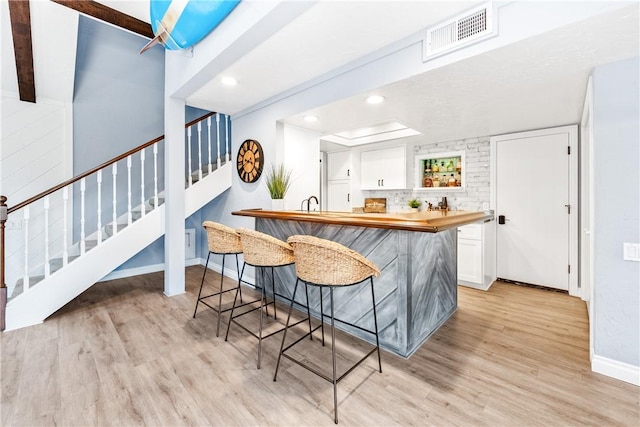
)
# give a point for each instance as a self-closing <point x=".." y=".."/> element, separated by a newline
<point x="375" y="99"/>
<point x="310" y="119"/>
<point x="229" y="81"/>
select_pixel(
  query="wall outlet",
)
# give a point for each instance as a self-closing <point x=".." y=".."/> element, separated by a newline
<point x="190" y="243"/>
<point x="631" y="252"/>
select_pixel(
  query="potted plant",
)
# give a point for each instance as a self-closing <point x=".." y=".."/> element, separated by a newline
<point x="414" y="204"/>
<point x="278" y="180"/>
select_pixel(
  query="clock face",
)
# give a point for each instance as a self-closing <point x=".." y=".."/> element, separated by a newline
<point x="250" y="161"/>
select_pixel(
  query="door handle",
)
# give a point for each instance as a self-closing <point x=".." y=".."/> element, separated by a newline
<point x="501" y="219"/>
<point x="382" y="181"/>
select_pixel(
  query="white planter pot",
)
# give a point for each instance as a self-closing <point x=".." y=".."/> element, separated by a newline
<point x="277" y="204"/>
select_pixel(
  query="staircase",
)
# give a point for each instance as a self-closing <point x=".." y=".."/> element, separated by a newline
<point x="66" y="275"/>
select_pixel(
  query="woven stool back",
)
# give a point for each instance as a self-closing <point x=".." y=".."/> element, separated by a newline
<point x="325" y="262"/>
<point x="264" y="250"/>
<point x="222" y="239"/>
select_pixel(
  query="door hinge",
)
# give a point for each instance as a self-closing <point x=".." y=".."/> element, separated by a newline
<point x="569" y="149"/>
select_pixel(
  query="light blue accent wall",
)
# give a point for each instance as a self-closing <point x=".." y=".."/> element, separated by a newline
<point x="616" y="159"/>
<point x="118" y="105"/>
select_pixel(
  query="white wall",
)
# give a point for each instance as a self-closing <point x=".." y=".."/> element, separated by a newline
<point x="35" y="153"/>
<point x="616" y="198"/>
<point x="302" y="157"/>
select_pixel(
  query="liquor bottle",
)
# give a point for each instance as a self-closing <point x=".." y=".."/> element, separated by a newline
<point x="427" y="167"/>
<point x="451" y="182"/>
<point x="443" y="168"/>
<point x="434" y="167"/>
<point x="450" y="166"/>
<point x="459" y="166"/>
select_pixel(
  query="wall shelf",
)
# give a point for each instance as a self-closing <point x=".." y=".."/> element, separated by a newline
<point x="440" y="171"/>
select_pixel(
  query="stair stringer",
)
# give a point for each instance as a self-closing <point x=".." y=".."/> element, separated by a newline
<point x="205" y="190"/>
<point x="53" y="292"/>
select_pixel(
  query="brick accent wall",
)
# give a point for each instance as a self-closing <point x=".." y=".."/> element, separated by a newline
<point x="474" y="197"/>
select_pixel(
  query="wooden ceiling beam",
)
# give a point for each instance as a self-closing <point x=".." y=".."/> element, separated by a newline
<point x="107" y="14"/>
<point x="20" y="16"/>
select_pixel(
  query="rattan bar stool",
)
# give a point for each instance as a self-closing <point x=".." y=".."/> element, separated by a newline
<point x="328" y="264"/>
<point x="262" y="251"/>
<point x="222" y="240"/>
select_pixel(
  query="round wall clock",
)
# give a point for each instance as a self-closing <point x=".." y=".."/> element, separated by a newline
<point x="250" y="161"/>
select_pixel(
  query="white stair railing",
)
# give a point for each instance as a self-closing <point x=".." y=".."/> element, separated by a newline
<point x="51" y="238"/>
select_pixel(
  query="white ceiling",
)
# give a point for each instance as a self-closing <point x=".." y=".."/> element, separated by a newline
<point x="328" y="35"/>
<point x="538" y="82"/>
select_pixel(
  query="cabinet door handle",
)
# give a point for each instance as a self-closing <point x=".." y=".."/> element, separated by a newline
<point x="382" y="181"/>
<point x="348" y="197"/>
<point x="348" y="172"/>
<point x="378" y="183"/>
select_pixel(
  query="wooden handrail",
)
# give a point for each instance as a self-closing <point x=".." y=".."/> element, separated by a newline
<point x="97" y="168"/>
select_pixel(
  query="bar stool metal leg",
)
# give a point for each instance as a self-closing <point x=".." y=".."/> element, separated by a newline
<point x="201" y="285"/>
<point x="375" y="322"/>
<point x="321" y="315"/>
<point x="306" y="291"/>
<point x="220" y="298"/>
<point x="238" y="271"/>
<point x="263" y="297"/>
<point x="273" y="289"/>
<point x="235" y="298"/>
<point x="286" y="327"/>
<point x="333" y="358"/>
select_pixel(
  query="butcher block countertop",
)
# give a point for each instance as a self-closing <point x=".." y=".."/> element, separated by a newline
<point x="428" y="221"/>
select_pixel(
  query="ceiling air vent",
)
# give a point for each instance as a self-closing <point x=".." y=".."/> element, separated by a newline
<point x="459" y="31"/>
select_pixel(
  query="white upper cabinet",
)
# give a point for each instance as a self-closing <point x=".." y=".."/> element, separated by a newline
<point x="339" y="165"/>
<point x="384" y="169"/>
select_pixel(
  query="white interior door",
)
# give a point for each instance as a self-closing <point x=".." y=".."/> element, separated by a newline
<point x="532" y="194"/>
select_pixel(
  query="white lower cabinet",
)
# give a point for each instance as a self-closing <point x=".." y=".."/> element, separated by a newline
<point x="476" y="255"/>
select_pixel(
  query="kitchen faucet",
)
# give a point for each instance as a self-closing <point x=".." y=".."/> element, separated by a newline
<point x="309" y="202"/>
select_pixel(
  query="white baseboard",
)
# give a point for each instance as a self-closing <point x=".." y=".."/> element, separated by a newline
<point x="614" y="369"/>
<point x="153" y="268"/>
<point x="228" y="272"/>
<point x="130" y="272"/>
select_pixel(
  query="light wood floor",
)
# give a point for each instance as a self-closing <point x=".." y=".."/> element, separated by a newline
<point x="124" y="354"/>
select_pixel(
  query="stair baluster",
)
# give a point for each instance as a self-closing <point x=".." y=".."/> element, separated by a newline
<point x="155" y="176"/>
<point x="218" y="136"/>
<point x="25" y="280"/>
<point x="189" y="156"/>
<point x="99" y="182"/>
<point x="199" y="151"/>
<point x="65" y="231"/>
<point x="209" y="141"/>
<point x="47" y="266"/>
<point x="142" y="198"/>
<point x="114" y="179"/>
<point x="226" y="135"/>
<point x="83" y="188"/>
<point x="129" y="215"/>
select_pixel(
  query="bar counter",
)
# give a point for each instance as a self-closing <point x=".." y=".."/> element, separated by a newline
<point x="428" y="221"/>
<point x="416" y="253"/>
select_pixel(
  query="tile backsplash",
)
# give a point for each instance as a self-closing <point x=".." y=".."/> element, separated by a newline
<point x="474" y="197"/>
